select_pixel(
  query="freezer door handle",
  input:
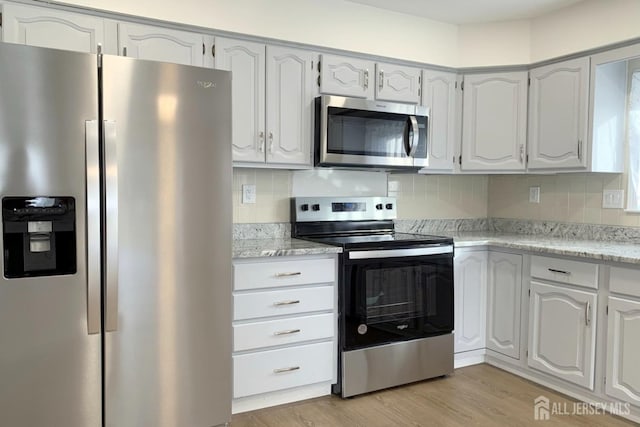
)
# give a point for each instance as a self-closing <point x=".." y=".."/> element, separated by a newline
<point x="92" y="156"/>
<point x="111" y="225"/>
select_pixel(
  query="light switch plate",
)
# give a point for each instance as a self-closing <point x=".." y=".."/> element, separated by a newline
<point x="613" y="199"/>
<point x="534" y="194"/>
<point x="248" y="193"/>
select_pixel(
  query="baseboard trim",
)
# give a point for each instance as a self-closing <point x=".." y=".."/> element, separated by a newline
<point x="469" y="358"/>
<point x="265" y="400"/>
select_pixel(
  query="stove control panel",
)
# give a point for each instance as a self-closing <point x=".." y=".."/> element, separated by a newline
<point x="305" y="209"/>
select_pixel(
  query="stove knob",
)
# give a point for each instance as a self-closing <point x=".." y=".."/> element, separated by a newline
<point x="379" y="206"/>
<point x="389" y="206"/>
<point x="315" y="207"/>
<point x="304" y="207"/>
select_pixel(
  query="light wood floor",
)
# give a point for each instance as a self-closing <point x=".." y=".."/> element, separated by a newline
<point x="478" y="395"/>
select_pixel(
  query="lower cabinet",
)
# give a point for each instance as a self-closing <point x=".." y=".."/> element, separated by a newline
<point x="274" y="370"/>
<point x="503" y="303"/>
<point x="623" y="335"/>
<point x="284" y="326"/>
<point x="470" y="307"/>
<point x="562" y="332"/>
<point x="623" y="350"/>
<point x="562" y="321"/>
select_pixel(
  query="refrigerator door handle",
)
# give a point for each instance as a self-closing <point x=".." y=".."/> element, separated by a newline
<point x="92" y="156"/>
<point x="111" y="225"/>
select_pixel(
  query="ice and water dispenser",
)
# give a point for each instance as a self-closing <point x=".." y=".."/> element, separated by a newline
<point x="39" y="236"/>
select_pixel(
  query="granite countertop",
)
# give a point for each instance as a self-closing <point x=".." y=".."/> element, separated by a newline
<point x="249" y="248"/>
<point x="594" y="249"/>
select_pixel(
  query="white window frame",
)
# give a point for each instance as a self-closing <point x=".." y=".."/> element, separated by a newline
<point x="633" y="138"/>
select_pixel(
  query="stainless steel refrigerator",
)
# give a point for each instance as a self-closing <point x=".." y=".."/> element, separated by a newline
<point x="115" y="297"/>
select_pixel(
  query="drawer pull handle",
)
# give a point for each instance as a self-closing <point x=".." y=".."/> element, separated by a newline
<point x="287" y="332"/>
<point x="290" y="302"/>
<point x="553" y="270"/>
<point x="297" y="273"/>
<point x="281" y="370"/>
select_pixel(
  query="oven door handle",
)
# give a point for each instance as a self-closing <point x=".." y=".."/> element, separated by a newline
<point x="395" y="253"/>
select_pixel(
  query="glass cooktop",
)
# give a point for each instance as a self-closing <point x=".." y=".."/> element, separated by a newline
<point x="382" y="240"/>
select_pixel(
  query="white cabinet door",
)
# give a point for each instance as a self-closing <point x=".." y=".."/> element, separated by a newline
<point x="162" y="44"/>
<point x="503" y="303"/>
<point x="246" y="60"/>
<point x="494" y="124"/>
<point x="439" y="95"/>
<point x="562" y="332"/>
<point x="398" y="83"/>
<point x="470" y="279"/>
<point x="290" y="79"/>
<point x="35" y="26"/>
<point x="623" y="348"/>
<point x="558" y="122"/>
<point x="344" y="76"/>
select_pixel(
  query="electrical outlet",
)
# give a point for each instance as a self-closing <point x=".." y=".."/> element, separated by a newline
<point x="613" y="199"/>
<point x="534" y="194"/>
<point x="248" y="193"/>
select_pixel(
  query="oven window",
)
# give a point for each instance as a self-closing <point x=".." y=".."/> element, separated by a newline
<point x="385" y="302"/>
<point x="366" y="133"/>
<point x="398" y="300"/>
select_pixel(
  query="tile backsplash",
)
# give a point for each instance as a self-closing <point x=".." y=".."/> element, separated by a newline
<point x="273" y="189"/>
<point x="419" y="196"/>
<point x="439" y="196"/>
<point x="574" y="197"/>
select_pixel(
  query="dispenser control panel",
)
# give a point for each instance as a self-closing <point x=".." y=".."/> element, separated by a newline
<point x="39" y="236"/>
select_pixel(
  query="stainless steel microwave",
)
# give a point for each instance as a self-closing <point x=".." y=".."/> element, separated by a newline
<point x="353" y="132"/>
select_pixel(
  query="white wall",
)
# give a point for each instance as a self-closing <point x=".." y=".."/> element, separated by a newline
<point x="586" y="25"/>
<point x="360" y="28"/>
<point x="330" y="23"/>
<point x="498" y="43"/>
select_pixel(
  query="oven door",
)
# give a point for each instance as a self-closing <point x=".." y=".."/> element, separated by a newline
<point x="372" y="133"/>
<point x="394" y="295"/>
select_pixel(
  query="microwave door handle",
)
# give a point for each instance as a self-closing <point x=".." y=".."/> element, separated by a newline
<point x="413" y="146"/>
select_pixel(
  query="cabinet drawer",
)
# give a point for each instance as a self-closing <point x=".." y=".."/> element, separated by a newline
<point x="565" y="271"/>
<point x="288" y="301"/>
<point x="280" y="369"/>
<point x="283" y="273"/>
<point x="625" y="281"/>
<point x="282" y="331"/>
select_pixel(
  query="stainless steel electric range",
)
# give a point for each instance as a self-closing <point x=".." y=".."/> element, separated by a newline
<point x="395" y="292"/>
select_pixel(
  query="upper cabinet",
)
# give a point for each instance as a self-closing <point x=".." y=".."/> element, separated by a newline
<point x="44" y="27"/>
<point x="272" y="93"/>
<point x="441" y="96"/>
<point x="494" y="126"/>
<point x="246" y="60"/>
<point x="359" y="78"/>
<point x="398" y="83"/>
<point x="344" y="76"/>
<point x="558" y="115"/>
<point x="290" y="92"/>
<point x="162" y="44"/>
